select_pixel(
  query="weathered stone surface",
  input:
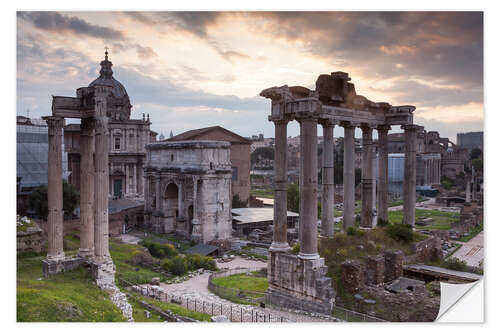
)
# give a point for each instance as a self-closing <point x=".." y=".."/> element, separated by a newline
<point x="353" y="275"/>
<point x="50" y="267"/>
<point x="219" y="319"/>
<point x="393" y="264"/>
<point x="375" y="270"/>
<point x="427" y="249"/>
<point x="298" y="283"/>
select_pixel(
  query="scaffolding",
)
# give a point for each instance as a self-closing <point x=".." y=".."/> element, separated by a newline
<point x="32" y="154"/>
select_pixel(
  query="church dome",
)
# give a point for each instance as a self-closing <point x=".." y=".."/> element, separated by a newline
<point x="106" y="78"/>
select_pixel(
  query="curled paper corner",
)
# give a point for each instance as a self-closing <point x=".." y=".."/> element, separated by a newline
<point x="455" y="306"/>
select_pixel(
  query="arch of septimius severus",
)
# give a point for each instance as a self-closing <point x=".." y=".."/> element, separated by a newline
<point x="300" y="281"/>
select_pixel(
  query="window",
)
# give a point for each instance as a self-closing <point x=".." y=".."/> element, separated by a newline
<point x="117" y="143"/>
<point x="235" y="173"/>
<point x="171" y="157"/>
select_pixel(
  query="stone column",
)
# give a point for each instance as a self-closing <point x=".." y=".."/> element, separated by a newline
<point x="382" y="172"/>
<point x="158" y="193"/>
<point x="196" y="233"/>
<point x="410" y="174"/>
<point x="366" y="178"/>
<point x="328" y="195"/>
<point x="309" y="188"/>
<point x="135" y="190"/>
<point x="101" y="227"/>
<point x="87" y="175"/>
<point x="349" y="177"/>
<point x="467" y="190"/>
<point x="55" y="250"/>
<point x="280" y="241"/>
<point x="127" y="182"/>
<point x="179" y="201"/>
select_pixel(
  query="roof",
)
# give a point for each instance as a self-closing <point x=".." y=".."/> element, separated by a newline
<point x="203" y="249"/>
<point x="255" y="215"/>
<point x="444" y="271"/>
<point x="118" y="205"/>
<point x="193" y="135"/>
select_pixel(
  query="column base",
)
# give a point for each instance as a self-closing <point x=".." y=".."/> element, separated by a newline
<point x="103" y="273"/>
<point x="298" y="283"/>
<point x="279" y="247"/>
<point x="86" y="253"/>
<point x="308" y="256"/>
<point x="51" y="266"/>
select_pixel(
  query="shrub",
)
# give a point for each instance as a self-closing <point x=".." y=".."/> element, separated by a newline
<point x="296" y="248"/>
<point x="160" y="250"/>
<point x="177" y="265"/>
<point x="456" y="264"/>
<point x="381" y="222"/>
<point x="352" y="231"/>
<point x="400" y="232"/>
<point x="196" y="261"/>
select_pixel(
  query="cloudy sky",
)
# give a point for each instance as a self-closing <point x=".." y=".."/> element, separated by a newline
<point x="197" y="69"/>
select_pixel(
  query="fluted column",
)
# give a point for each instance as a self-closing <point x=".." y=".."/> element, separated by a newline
<point x="135" y="188"/>
<point x="367" y="178"/>
<point x="309" y="188"/>
<point x="410" y="174"/>
<point x="328" y="196"/>
<point x="101" y="227"/>
<point x="382" y="172"/>
<point x="55" y="189"/>
<point x="158" y="193"/>
<point x="349" y="177"/>
<point x="179" y="201"/>
<point x="87" y="174"/>
<point x="196" y="232"/>
<point x="280" y="241"/>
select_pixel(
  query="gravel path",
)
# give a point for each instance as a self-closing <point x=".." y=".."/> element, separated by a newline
<point x="472" y="252"/>
<point x="196" y="289"/>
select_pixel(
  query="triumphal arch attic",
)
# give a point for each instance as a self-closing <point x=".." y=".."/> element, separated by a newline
<point x="188" y="187"/>
<point x="299" y="281"/>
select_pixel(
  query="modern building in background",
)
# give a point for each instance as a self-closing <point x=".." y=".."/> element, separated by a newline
<point x="31" y="160"/>
<point x="470" y="140"/>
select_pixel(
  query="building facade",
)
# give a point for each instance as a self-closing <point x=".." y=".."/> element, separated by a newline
<point x="470" y="140"/>
<point x="240" y="155"/>
<point x="127" y="140"/>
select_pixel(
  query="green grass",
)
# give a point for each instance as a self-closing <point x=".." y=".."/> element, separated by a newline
<point x="138" y="313"/>
<point x="69" y="296"/>
<point x="243" y="282"/>
<point x="122" y="254"/>
<point x="440" y="220"/>
<point x="472" y="233"/>
<point x="263" y="193"/>
<point x="177" y="309"/>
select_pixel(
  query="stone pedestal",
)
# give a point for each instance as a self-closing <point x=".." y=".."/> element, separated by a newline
<point x="51" y="267"/>
<point x="299" y="283"/>
<point x="103" y="273"/>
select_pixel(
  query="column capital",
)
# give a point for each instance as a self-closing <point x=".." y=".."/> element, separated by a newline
<point x="411" y="127"/>
<point x="101" y="125"/>
<point x="327" y="122"/>
<point x="279" y="121"/>
<point x="367" y="127"/>
<point x="55" y="124"/>
<point x="349" y="124"/>
<point x="383" y="128"/>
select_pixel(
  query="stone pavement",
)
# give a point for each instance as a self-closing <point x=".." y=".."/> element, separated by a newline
<point x="472" y="252"/>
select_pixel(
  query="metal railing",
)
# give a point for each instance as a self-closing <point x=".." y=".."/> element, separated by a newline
<point x="353" y="316"/>
<point x="236" y="295"/>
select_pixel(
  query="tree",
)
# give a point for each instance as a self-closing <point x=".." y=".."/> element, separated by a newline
<point x="262" y="152"/>
<point x="293" y="198"/>
<point x="475" y="153"/>
<point x="38" y="200"/>
<point x="478" y="164"/>
<point x="237" y="202"/>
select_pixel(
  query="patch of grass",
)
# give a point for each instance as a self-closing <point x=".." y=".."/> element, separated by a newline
<point x="473" y="233"/>
<point x="138" y="313"/>
<point x="243" y="282"/>
<point x="440" y="220"/>
<point x="263" y="193"/>
<point x="177" y="309"/>
<point x="69" y="296"/>
<point x="122" y="254"/>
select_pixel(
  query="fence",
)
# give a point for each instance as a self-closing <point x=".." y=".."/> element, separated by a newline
<point x="236" y="295"/>
<point x="353" y="316"/>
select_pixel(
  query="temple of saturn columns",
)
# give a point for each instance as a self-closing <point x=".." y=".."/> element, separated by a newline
<point x="93" y="105"/>
<point x="299" y="281"/>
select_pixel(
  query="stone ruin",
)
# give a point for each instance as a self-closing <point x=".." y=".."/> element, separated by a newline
<point x="299" y="281"/>
<point x="93" y="105"/>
